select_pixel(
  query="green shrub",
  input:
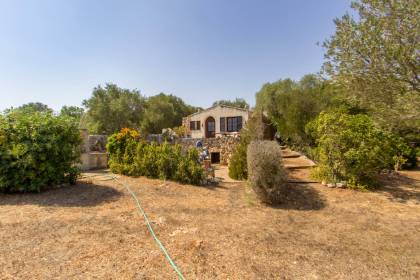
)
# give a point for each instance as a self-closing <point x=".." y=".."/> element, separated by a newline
<point x="129" y="155"/>
<point x="122" y="148"/>
<point x="188" y="170"/>
<point x="257" y="128"/>
<point x="237" y="165"/>
<point x="351" y="148"/>
<point x="37" y="150"/>
<point x="266" y="174"/>
<point x="403" y="155"/>
<point x="168" y="159"/>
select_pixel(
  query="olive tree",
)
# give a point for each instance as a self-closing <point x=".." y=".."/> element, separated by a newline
<point x="376" y="58"/>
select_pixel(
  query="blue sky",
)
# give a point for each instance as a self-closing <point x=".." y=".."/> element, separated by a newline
<point x="56" y="51"/>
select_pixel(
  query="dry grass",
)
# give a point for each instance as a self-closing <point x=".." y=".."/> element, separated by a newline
<point x="92" y="231"/>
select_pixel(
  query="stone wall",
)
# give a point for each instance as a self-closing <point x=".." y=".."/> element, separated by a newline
<point x="97" y="143"/>
<point x="224" y="145"/>
<point x="93" y="149"/>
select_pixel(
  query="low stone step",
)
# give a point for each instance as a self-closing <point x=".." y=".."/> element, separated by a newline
<point x="302" y="182"/>
<point x="298" y="166"/>
<point x="291" y="155"/>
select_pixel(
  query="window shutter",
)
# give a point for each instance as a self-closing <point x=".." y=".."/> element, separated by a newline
<point x="198" y="126"/>
<point x="222" y="124"/>
<point x="192" y="125"/>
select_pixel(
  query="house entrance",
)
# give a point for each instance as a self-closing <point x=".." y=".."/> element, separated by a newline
<point x="210" y="127"/>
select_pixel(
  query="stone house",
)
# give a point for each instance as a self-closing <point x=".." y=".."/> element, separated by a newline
<point x="216" y="121"/>
<point x="218" y="128"/>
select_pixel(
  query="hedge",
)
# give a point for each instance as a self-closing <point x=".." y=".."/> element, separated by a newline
<point x="132" y="156"/>
<point x="37" y="151"/>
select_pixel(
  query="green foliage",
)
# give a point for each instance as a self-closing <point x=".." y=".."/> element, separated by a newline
<point x="73" y="112"/>
<point x="376" y="58"/>
<point x="37" y="150"/>
<point x="188" y="169"/>
<point x="237" y="166"/>
<point x="353" y="149"/>
<point x="291" y="105"/>
<point x="121" y="148"/>
<point x="403" y="155"/>
<point x="238" y="102"/>
<point x="258" y="128"/>
<point x="129" y="155"/>
<point x="266" y="174"/>
<point x="31" y="107"/>
<point x="112" y="108"/>
<point x="164" y="111"/>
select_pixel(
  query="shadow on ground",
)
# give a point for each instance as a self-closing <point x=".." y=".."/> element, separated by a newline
<point x="212" y="186"/>
<point x="400" y="188"/>
<point x="302" y="197"/>
<point x="80" y="195"/>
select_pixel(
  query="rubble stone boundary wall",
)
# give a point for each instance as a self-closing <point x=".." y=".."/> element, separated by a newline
<point x="223" y="145"/>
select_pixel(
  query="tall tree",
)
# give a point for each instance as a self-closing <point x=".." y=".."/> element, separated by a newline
<point x="238" y="102"/>
<point x="32" y="107"/>
<point x="164" y="111"/>
<point x="291" y="105"/>
<point x="72" y="111"/>
<point x="376" y="58"/>
<point x="111" y="108"/>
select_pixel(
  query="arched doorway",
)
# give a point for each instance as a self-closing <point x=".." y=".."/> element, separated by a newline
<point x="210" y="127"/>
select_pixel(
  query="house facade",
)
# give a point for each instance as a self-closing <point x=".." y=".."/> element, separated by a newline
<point x="216" y="121"/>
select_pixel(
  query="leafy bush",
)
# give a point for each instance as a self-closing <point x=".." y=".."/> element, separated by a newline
<point x="130" y="155"/>
<point x="121" y="148"/>
<point x="258" y="128"/>
<point x="351" y="148"/>
<point x="266" y="174"/>
<point x="237" y="166"/>
<point x="37" y="150"/>
<point x="403" y="155"/>
<point x="189" y="170"/>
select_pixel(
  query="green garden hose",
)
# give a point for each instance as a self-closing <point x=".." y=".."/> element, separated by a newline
<point x="149" y="226"/>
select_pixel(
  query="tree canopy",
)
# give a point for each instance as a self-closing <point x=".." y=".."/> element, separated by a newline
<point x="291" y="105"/>
<point x="112" y="108"/>
<point x="32" y="107"/>
<point x="164" y="111"/>
<point x="72" y="111"/>
<point x="238" y="102"/>
<point x="376" y="58"/>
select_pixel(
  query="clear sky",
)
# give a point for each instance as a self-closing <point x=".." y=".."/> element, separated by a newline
<point x="56" y="51"/>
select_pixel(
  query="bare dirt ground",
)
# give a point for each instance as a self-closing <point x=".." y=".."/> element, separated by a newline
<point x="92" y="231"/>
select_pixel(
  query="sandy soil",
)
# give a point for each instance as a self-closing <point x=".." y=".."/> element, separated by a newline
<point x="92" y="231"/>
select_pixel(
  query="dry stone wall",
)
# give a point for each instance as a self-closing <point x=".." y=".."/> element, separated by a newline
<point x="223" y="145"/>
